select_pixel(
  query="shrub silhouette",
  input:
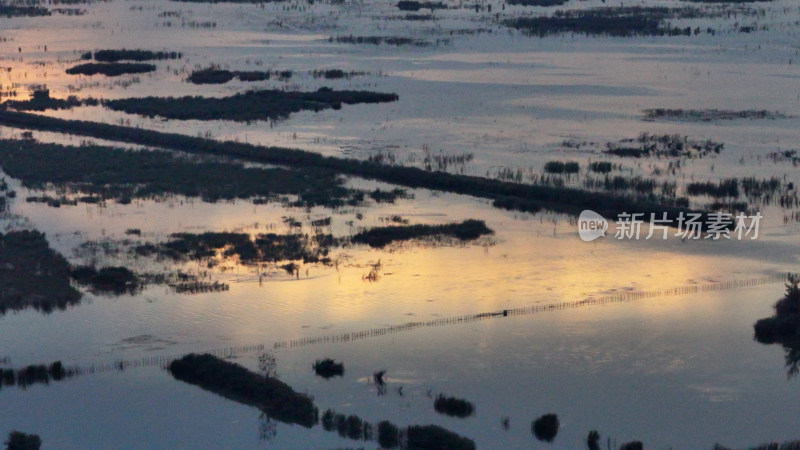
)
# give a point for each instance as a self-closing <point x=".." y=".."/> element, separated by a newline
<point x="328" y="368"/>
<point x="233" y="381"/>
<point x="545" y="428"/>
<point x="633" y="445"/>
<point x="453" y="406"/>
<point x="110" y="69"/>
<point x="18" y="440"/>
<point x="433" y="437"/>
<point x="388" y="435"/>
<point x="593" y="440"/>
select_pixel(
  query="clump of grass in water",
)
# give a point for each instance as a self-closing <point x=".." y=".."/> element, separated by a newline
<point x="328" y="368"/>
<point x="709" y="115"/>
<point x="246" y="106"/>
<point x="784" y="326"/>
<point x="545" y="428"/>
<point x="110" y="55"/>
<point x="663" y="146"/>
<point x="235" y="382"/>
<point x="37" y="374"/>
<point x="18" y="440"/>
<point x="559" y="167"/>
<point x="383" y="236"/>
<point x="788" y="445"/>
<point x="44" y="289"/>
<point x="115" y="280"/>
<point x="453" y="406"/>
<point x="110" y="69"/>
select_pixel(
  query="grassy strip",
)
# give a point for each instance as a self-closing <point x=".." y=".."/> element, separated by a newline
<point x="110" y="69"/>
<point x="709" y="115"/>
<point x="383" y="236"/>
<point x="537" y="2"/>
<point x="504" y="194"/>
<point x="413" y="5"/>
<point x="32" y="275"/>
<point x="118" y="174"/>
<point x="234" y="382"/>
<point x="619" y="22"/>
<point x="130" y="55"/>
<point x="247" y="106"/>
<point x="22" y="11"/>
<point x="788" y="445"/>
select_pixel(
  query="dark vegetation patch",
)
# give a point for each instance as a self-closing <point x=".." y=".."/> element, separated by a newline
<point x="788" y="445"/>
<point x="728" y="1"/>
<point x="130" y="55"/>
<point x="231" y="1"/>
<point x="603" y="166"/>
<point x="215" y="75"/>
<point x="108" y="173"/>
<point x="708" y="115"/>
<point x="268" y="247"/>
<point x="537" y="2"/>
<point x="545" y="428"/>
<point x="452" y="406"/>
<point x="663" y="146"/>
<point x="561" y="167"/>
<point x="383" y="236"/>
<point x="281" y="402"/>
<point x="624" y="21"/>
<point x="632" y="445"/>
<point x="110" y="69"/>
<point x="247" y="106"/>
<point x="414" y="5"/>
<point x="308" y="248"/>
<point x="18" y="440"/>
<point x="504" y="194"/>
<point x="114" y="280"/>
<point x="765" y="191"/>
<point x="11" y="10"/>
<point x="41" y="101"/>
<point x="397" y="41"/>
<point x="784" y="326"/>
<point x="32" y="275"/>
<point x="36" y="374"/>
<point x="388" y="434"/>
<point x="328" y="368"/>
<point x="432" y="437"/>
<point x="234" y="382"/>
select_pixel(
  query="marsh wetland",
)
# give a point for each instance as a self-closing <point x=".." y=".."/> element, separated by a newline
<point x="343" y="224"/>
